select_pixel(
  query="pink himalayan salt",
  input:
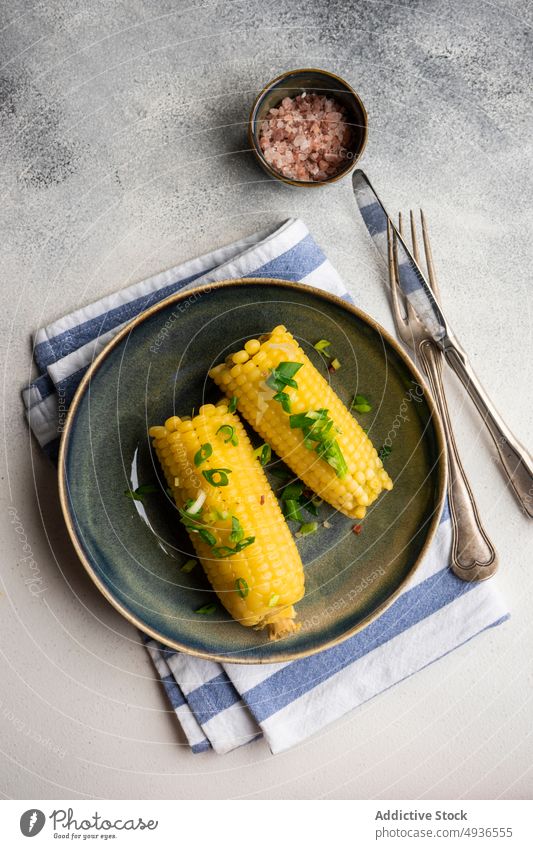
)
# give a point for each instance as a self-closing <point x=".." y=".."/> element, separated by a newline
<point x="306" y="137"/>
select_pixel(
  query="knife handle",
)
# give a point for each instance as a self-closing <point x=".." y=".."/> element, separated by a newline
<point x="515" y="460"/>
<point x="473" y="555"/>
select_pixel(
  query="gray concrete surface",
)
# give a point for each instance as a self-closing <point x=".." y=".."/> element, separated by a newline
<point x="123" y="151"/>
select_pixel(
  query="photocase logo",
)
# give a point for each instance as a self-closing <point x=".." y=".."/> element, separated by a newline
<point x="32" y="822"/>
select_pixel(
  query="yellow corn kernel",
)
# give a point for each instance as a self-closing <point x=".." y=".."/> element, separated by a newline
<point x="270" y="567"/>
<point x="365" y="478"/>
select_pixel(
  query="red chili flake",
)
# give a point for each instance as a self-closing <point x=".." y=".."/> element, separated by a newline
<point x="262" y="499"/>
<point x="357" y="529"/>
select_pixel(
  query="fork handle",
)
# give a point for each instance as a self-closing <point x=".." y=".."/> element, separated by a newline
<point x="473" y="555"/>
<point x="515" y="460"/>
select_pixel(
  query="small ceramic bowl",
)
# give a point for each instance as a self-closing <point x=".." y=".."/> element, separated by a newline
<point x="292" y="83"/>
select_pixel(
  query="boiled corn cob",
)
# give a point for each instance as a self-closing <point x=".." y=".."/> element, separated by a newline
<point x="285" y="399"/>
<point x="232" y="517"/>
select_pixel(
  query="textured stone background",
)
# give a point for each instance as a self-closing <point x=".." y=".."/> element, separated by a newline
<point x="123" y="151"/>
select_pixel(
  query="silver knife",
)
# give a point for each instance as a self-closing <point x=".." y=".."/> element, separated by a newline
<point x="516" y="461"/>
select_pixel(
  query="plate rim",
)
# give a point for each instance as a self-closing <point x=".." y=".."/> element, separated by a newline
<point x="207" y="288"/>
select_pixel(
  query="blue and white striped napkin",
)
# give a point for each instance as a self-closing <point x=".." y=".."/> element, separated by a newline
<point x="222" y="706"/>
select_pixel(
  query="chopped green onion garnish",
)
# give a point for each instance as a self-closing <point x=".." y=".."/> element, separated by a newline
<point x="217" y="477"/>
<point x="237" y="532"/>
<point x="226" y="551"/>
<point x="207" y="536"/>
<point x="322" y="345"/>
<point x="228" y="431"/>
<point x="232" y="406"/>
<point x="308" y="528"/>
<point x="137" y="494"/>
<point x="202" y="454"/>
<point x="334" y="364"/>
<point x="292" y="511"/>
<point x="361" y="404"/>
<point x="384" y="452"/>
<point x="273" y="600"/>
<point x="263" y="454"/>
<point x="284" y="400"/>
<point x="189" y="566"/>
<point x="206" y="609"/>
<point x="310" y="506"/>
<point x="131" y="493"/>
<point x="242" y="587"/>
<point x="283" y="375"/>
<point x="292" y="491"/>
<point x="316" y="427"/>
<point x="335" y="458"/>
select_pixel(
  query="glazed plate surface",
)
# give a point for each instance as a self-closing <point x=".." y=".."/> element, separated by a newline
<point x="157" y="367"/>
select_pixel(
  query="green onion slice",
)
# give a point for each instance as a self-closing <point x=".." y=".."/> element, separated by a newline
<point x="273" y="600"/>
<point x="321" y="345"/>
<point x="217" y="477"/>
<point x="189" y="566"/>
<point x="227" y="551"/>
<point x="361" y="404"/>
<point x="237" y="532"/>
<point x="228" y="431"/>
<point x="203" y="453"/>
<point x="384" y="452"/>
<point x="242" y="587"/>
<point x="137" y="494"/>
<point x="283" y="375"/>
<point x="284" y="400"/>
<point x="292" y="491"/>
<point x="232" y="406"/>
<point x="206" y="609"/>
<point x="263" y="453"/>
<point x="207" y="536"/>
<point x="292" y="511"/>
<point x="308" y="528"/>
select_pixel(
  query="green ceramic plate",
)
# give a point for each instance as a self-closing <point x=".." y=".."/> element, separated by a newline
<point x="157" y="366"/>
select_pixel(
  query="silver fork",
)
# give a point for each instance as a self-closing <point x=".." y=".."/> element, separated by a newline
<point x="473" y="555"/>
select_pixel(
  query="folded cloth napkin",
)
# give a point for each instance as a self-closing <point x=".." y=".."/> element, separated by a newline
<point x="222" y="706"/>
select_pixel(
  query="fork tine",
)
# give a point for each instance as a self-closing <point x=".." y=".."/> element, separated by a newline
<point x="429" y="257"/>
<point x="411" y="314"/>
<point x="414" y="240"/>
<point x="397" y="312"/>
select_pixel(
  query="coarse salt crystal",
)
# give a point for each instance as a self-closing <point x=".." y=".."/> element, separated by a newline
<point x="306" y="137"/>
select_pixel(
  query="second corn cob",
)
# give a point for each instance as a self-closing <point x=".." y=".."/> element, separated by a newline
<point x="232" y="517"/>
<point x="285" y="399"/>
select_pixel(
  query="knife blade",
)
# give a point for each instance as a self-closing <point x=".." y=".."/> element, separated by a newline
<point x="516" y="461"/>
<point x="410" y="276"/>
